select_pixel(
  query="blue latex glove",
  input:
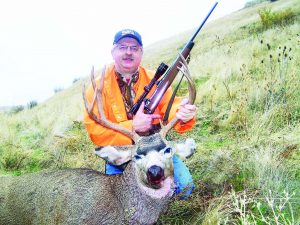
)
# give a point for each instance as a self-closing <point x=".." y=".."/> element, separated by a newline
<point x="182" y="178"/>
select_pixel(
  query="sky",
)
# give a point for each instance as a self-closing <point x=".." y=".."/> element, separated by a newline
<point x="46" y="44"/>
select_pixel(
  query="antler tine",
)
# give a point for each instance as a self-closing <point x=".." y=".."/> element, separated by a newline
<point x="192" y="87"/>
<point x="89" y="107"/>
<point x="184" y="69"/>
<point x="102" y="120"/>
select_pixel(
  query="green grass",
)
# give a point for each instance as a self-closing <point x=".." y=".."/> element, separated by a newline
<point x="246" y="168"/>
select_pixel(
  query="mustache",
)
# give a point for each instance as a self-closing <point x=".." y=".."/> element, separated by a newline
<point x="127" y="58"/>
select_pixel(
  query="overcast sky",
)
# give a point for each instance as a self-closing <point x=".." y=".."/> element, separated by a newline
<point x="45" y="45"/>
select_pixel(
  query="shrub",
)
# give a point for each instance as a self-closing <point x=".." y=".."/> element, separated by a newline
<point x="75" y="80"/>
<point x="32" y="104"/>
<point x="253" y="2"/>
<point x="13" y="160"/>
<point x="270" y="19"/>
<point x="17" y="108"/>
<point x="58" y="89"/>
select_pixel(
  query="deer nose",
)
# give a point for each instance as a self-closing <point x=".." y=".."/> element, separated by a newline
<point x="155" y="174"/>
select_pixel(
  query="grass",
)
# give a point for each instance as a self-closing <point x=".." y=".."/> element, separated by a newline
<point x="246" y="167"/>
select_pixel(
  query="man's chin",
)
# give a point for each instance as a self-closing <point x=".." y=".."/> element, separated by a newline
<point x="129" y="67"/>
<point x="129" y="71"/>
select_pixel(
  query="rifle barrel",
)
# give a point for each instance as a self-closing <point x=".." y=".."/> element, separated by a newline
<point x="204" y="21"/>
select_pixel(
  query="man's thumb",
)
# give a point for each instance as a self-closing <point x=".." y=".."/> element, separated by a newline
<point x="141" y="109"/>
<point x="184" y="102"/>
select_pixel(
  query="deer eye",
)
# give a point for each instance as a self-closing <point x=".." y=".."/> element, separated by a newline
<point x="167" y="151"/>
<point x="137" y="157"/>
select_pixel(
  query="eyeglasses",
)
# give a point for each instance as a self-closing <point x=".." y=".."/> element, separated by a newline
<point x="124" y="48"/>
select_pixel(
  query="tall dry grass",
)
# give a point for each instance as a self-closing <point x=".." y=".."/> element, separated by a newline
<point x="246" y="167"/>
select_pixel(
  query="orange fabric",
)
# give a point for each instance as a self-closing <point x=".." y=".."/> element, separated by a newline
<point x="114" y="109"/>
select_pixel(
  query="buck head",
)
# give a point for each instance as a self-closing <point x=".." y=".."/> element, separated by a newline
<point x="152" y="159"/>
<point x="151" y="156"/>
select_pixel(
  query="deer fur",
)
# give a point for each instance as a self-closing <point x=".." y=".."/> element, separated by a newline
<point x="85" y="196"/>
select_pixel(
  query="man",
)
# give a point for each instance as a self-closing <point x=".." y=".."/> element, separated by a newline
<point x="124" y="83"/>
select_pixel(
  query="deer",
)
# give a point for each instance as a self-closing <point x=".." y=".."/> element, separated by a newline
<point x="138" y="196"/>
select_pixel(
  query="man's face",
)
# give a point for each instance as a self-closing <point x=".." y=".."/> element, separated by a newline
<point x="127" y="54"/>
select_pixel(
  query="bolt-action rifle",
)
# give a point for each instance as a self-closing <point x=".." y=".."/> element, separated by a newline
<point x="169" y="75"/>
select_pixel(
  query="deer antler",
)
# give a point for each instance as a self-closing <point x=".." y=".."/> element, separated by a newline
<point x="192" y="93"/>
<point x="101" y="119"/>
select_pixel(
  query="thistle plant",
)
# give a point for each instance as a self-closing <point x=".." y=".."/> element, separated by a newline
<point x="250" y="208"/>
<point x="278" y="79"/>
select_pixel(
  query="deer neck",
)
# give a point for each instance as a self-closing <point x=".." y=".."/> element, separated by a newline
<point x="137" y="198"/>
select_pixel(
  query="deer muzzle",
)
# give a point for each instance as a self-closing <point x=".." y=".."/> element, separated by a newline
<point x="155" y="176"/>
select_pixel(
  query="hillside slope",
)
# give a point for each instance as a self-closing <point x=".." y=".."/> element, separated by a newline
<point x="247" y="70"/>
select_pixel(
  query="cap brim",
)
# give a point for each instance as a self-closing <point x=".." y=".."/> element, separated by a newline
<point x="131" y="36"/>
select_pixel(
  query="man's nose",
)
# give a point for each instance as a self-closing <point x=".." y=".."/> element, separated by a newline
<point x="128" y="50"/>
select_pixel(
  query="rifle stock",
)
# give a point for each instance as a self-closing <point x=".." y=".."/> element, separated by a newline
<point x="166" y="81"/>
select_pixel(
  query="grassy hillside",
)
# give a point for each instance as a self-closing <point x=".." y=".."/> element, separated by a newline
<point x="246" y="66"/>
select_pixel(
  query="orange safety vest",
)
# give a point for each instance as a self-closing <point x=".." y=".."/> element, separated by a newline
<point x="114" y="108"/>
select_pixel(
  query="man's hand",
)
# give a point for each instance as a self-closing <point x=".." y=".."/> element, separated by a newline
<point x="143" y="122"/>
<point x="186" y="111"/>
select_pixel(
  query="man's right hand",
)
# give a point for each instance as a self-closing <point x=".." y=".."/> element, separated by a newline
<point x="143" y="122"/>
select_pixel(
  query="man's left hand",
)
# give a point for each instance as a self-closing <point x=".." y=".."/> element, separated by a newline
<point x="186" y="111"/>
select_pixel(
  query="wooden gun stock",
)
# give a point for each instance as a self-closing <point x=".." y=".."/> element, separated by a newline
<point x="166" y="81"/>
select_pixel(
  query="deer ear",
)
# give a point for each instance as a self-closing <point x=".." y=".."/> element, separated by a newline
<point x="113" y="155"/>
<point x="185" y="150"/>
